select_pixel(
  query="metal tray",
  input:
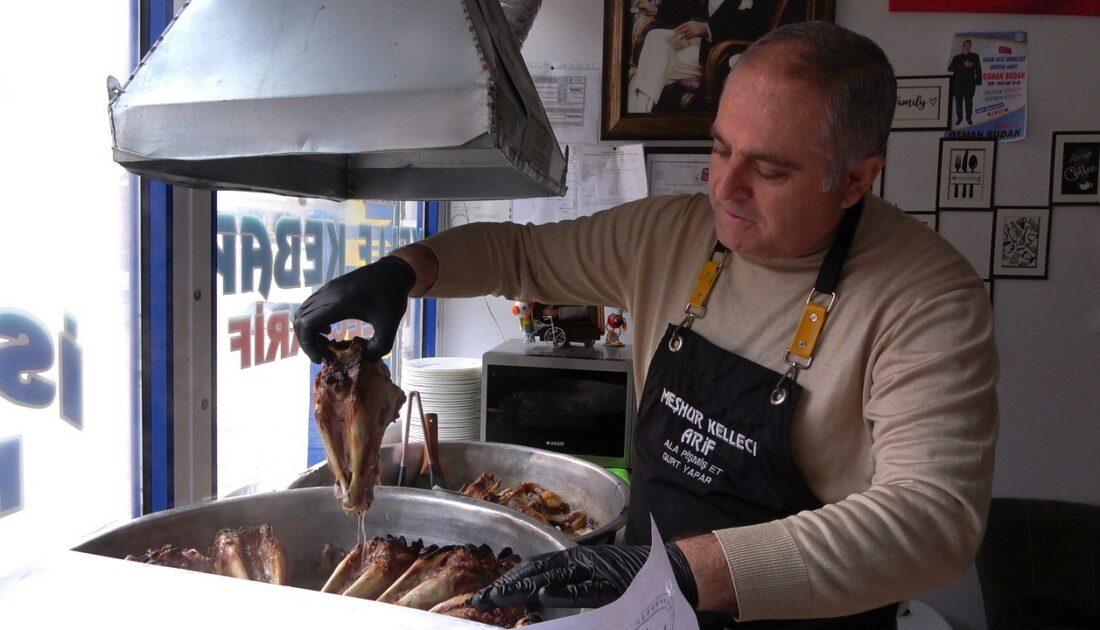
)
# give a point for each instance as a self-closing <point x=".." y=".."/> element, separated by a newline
<point x="306" y="519"/>
<point x="581" y="483"/>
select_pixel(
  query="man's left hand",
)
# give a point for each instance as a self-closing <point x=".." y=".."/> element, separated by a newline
<point x="581" y="577"/>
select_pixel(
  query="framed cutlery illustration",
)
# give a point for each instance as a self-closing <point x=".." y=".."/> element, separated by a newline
<point x="966" y="172"/>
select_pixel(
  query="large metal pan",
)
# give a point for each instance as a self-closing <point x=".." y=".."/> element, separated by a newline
<point x="583" y="484"/>
<point x="306" y="519"/>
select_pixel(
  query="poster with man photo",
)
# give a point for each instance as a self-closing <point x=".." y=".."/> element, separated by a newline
<point x="988" y="87"/>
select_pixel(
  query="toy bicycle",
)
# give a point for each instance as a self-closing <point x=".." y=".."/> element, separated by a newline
<point x="545" y="329"/>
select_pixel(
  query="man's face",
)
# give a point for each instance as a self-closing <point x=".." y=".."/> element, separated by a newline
<point x="767" y="167"/>
<point x="966" y="48"/>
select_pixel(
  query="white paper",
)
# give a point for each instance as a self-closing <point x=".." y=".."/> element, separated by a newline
<point x="571" y="97"/>
<point x="597" y="178"/>
<point x="551" y="209"/>
<point x="653" y="601"/>
<point x="609" y="176"/>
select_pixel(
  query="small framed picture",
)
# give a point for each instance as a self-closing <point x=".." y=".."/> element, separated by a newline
<point x="965" y="179"/>
<point x="922" y="103"/>
<point x="1021" y="242"/>
<point x="1075" y="168"/>
<point x="931" y="219"/>
<point x="675" y="170"/>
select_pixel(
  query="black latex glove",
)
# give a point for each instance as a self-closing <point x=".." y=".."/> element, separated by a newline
<point x="580" y="577"/>
<point x="377" y="293"/>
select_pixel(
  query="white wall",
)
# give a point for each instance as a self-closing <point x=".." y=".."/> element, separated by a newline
<point x="1048" y="331"/>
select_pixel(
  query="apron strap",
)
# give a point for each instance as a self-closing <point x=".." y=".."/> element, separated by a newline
<point x="800" y="354"/>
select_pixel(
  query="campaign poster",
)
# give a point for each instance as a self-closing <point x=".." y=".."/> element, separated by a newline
<point x="988" y="87"/>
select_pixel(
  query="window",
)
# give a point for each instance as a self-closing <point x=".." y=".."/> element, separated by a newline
<point x="272" y="253"/>
<point x="67" y="302"/>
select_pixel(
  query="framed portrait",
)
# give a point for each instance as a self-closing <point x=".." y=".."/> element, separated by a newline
<point x="1075" y="168"/>
<point x="922" y="104"/>
<point x="1021" y="242"/>
<point x="646" y="98"/>
<point x="676" y="170"/>
<point x="966" y="169"/>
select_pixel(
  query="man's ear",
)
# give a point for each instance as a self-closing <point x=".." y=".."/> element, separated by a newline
<point x="858" y="179"/>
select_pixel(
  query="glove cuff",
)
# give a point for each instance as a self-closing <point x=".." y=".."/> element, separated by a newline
<point x="685" y="579"/>
<point x="403" y="273"/>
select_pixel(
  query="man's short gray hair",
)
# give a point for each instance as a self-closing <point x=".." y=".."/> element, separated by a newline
<point x="857" y="82"/>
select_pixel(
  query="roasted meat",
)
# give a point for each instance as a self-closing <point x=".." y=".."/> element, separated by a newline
<point x="529" y="498"/>
<point x="354" y="400"/>
<point x="173" y="556"/>
<point x="251" y="553"/>
<point x="508" y="617"/>
<point x="442" y="573"/>
<point x="373" y="566"/>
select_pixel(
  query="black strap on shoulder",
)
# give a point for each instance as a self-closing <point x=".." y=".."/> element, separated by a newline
<point x="829" y="274"/>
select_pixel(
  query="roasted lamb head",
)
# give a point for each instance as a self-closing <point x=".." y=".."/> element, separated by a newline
<point x="507" y="617"/>
<point x="354" y="400"/>
<point x="440" y="574"/>
<point x="251" y="553"/>
<point x="371" y="567"/>
<point x="177" y="557"/>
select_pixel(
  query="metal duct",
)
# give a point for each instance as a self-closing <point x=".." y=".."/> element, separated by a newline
<point x="340" y="99"/>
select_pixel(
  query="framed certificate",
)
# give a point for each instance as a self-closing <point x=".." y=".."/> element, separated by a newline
<point x="677" y="170"/>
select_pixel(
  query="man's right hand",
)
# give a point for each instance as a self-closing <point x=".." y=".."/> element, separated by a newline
<point x="376" y="293"/>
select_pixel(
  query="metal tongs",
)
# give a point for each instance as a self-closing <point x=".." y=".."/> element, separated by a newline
<point x="413" y="395"/>
<point x="430" y="464"/>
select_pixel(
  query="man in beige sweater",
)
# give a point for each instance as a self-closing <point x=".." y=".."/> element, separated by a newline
<point x="817" y="427"/>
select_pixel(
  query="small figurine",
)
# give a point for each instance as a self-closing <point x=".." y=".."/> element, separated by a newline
<point x="525" y="312"/>
<point x="616" y="324"/>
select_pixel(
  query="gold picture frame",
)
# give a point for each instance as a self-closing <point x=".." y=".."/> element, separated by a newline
<point x="685" y="108"/>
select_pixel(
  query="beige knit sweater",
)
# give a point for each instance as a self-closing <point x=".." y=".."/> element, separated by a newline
<point x="896" y="426"/>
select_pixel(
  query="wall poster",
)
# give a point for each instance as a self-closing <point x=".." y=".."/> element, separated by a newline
<point x="988" y="86"/>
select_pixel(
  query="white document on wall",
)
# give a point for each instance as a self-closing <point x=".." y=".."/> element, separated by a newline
<point x="571" y="97"/>
<point x="609" y="176"/>
<point x="551" y="209"/>
<point x="597" y="177"/>
<point x="653" y="600"/>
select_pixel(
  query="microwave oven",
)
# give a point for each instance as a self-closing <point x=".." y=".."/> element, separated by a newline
<point x="577" y="400"/>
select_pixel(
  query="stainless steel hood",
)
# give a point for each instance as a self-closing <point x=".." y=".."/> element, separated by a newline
<point x="391" y="99"/>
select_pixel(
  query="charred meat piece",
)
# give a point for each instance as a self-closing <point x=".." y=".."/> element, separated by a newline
<point x="331" y="557"/>
<point x="251" y="553"/>
<point x="485" y="487"/>
<point x="531" y="499"/>
<point x="173" y="556"/>
<point x="441" y="574"/>
<point x="354" y="400"/>
<point x="373" y="566"/>
<point x="508" y="617"/>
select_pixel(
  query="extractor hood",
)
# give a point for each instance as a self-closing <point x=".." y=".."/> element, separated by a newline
<point x="339" y="99"/>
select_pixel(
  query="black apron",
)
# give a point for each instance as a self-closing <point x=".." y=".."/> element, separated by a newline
<point x="712" y="446"/>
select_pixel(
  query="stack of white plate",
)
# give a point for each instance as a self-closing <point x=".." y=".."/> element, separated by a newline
<point x="449" y="387"/>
